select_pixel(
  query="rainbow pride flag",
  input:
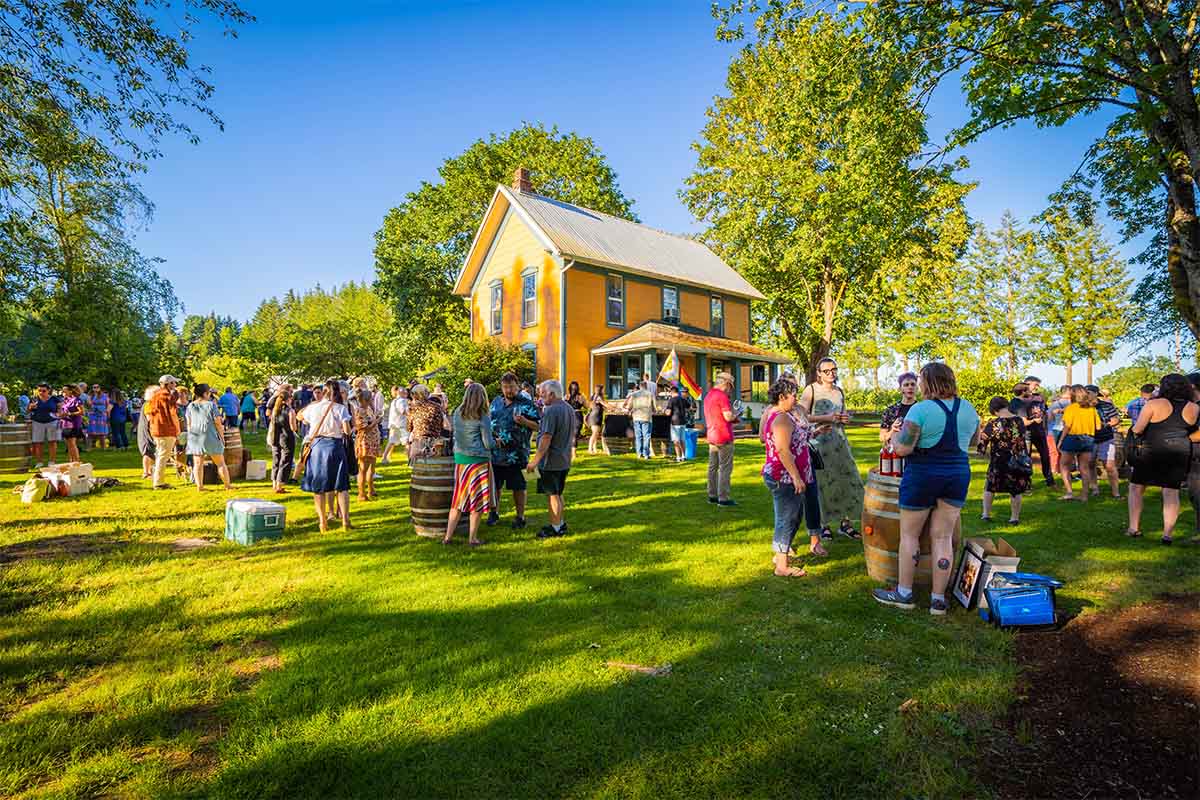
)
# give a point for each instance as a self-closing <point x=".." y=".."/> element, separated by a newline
<point x="673" y="372"/>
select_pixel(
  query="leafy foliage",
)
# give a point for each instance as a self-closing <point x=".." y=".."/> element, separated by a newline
<point x="1051" y="63"/>
<point x="424" y="241"/>
<point x="484" y="362"/>
<point x="808" y="175"/>
<point x="1126" y="382"/>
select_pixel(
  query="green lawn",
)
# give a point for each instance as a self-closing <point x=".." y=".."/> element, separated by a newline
<point x="375" y="663"/>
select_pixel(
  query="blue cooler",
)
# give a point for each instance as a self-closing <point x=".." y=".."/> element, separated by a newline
<point x="250" y="521"/>
<point x="691" y="437"/>
<point x="1022" y="599"/>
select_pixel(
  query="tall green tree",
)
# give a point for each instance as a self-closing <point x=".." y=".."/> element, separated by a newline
<point x="1081" y="292"/>
<point x="997" y="269"/>
<point x="1051" y="62"/>
<point x="424" y="240"/>
<point x="811" y="181"/>
<point x="320" y="334"/>
<point x="1126" y="382"/>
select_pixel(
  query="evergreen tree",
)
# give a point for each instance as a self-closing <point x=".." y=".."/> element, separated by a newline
<point x="1080" y="291"/>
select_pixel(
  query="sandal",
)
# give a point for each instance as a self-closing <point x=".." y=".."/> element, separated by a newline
<point x="849" y="532"/>
<point x="792" y="572"/>
<point x="1132" y="534"/>
<point x="817" y="550"/>
<point x="826" y="533"/>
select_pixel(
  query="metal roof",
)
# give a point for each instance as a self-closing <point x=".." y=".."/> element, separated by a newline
<point x="607" y="241"/>
<point x="664" y="337"/>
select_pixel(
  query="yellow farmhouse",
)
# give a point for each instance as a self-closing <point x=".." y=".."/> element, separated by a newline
<point x="601" y="300"/>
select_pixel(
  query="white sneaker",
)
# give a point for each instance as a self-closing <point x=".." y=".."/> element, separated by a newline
<point x="37" y="465"/>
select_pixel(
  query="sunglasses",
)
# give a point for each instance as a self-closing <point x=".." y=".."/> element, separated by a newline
<point x="828" y="371"/>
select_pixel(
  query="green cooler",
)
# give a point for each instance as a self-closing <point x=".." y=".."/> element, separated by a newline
<point x="250" y="521"/>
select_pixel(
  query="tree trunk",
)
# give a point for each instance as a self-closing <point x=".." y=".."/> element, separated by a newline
<point x="1089" y="371"/>
<point x="1070" y="366"/>
<point x="906" y="369"/>
<point x="1183" y="249"/>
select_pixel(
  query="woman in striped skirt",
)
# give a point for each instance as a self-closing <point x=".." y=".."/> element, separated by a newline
<point x="473" y="445"/>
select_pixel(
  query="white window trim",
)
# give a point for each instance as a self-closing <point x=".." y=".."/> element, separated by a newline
<point x="711" y="328"/>
<point x="525" y="273"/>
<point x="608" y="298"/>
<point x="663" y="300"/>
<point x="493" y="307"/>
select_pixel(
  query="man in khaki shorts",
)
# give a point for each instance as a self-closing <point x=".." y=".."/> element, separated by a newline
<point x="43" y="415"/>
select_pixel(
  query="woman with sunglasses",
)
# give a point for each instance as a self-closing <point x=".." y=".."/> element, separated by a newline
<point x="824" y="403"/>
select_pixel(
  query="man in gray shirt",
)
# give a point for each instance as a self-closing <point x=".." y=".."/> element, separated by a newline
<point x="555" y="451"/>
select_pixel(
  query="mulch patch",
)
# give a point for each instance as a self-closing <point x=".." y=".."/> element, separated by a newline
<point x="58" y="546"/>
<point x="1108" y="706"/>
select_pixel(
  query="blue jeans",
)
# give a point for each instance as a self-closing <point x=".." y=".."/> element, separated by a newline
<point x="788" y="508"/>
<point x="641" y="438"/>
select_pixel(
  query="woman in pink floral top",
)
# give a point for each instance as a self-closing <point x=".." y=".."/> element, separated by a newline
<point x="789" y="475"/>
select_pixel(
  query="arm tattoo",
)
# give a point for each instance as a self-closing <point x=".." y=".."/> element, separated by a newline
<point x="910" y="434"/>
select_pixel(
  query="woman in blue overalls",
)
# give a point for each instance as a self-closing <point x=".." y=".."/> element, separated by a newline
<point x="935" y="438"/>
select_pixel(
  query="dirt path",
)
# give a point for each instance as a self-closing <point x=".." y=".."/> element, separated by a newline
<point x="1107" y="707"/>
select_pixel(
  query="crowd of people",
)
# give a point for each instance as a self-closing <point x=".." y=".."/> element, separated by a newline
<point x="328" y="435"/>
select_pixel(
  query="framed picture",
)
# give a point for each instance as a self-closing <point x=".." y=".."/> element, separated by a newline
<point x="967" y="578"/>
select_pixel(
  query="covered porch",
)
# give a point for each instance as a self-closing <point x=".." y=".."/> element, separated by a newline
<point x="618" y="364"/>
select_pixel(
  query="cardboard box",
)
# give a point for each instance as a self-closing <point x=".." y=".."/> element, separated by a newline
<point x="998" y="556"/>
<point x="76" y="476"/>
<point x="256" y="470"/>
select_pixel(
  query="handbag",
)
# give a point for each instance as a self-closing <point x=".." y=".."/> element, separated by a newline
<point x="1020" y="465"/>
<point x="814" y="458"/>
<point x="1135" y="449"/>
<point x="306" y="450"/>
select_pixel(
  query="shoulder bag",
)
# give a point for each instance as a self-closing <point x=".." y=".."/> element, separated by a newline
<point x="306" y="451"/>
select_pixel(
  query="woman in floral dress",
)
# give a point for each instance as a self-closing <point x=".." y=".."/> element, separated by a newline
<point x="841" y="484"/>
<point x="98" y="407"/>
<point x="1003" y="438"/>
<point x="367" y="445"/>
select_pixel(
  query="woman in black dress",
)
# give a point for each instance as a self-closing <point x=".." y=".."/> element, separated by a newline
<point x="281" y="436"/>
<point x="1003" y="438"/>
<point x="595" y="421"/>
<point x="1162" y="452"/>
<point x="575" y="400"/>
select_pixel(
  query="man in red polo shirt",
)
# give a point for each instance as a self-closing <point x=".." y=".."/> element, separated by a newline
<point x="719" y="417"/>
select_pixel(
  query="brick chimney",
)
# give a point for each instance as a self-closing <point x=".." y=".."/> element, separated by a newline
<point x="521" y="181"/>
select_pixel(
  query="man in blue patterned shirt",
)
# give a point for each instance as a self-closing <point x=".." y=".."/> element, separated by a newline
<point x="1135" y="406"/>
<point x="514" y="418"/>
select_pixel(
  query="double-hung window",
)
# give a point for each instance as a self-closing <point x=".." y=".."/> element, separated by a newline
<point x="716" y="316"/>
<point x="496" y="316"/>
<point x="528" y="298"/>
<point x="670" y="304"/>
<point x="615" y="305"/>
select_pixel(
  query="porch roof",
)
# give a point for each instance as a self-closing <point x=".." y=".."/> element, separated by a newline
<point x="661" y="336"/>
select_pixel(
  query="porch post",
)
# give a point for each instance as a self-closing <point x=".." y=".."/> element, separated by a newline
<point x="701" y="381"/>
<point x="774" y="372"/>
<point x="737" y="379"/>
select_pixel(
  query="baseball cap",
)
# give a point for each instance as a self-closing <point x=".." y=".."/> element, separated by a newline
<point x="1091" y="387"/>
<point x="165" y="379"/>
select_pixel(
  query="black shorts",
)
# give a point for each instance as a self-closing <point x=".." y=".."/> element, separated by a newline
<point x="248" y="416"/>
<point x="231" y="421"/>
<point x="552" y="481"/>
<point x="509" y="477"/>
<point x="74" y="433"/>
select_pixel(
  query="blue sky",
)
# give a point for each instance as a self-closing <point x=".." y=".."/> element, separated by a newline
<point x="334" y="111"/>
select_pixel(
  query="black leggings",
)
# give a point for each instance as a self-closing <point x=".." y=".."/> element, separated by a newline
<point x="282" y="455"/>
<point x="119" y="437"/>
<point x="1037" y="437"/>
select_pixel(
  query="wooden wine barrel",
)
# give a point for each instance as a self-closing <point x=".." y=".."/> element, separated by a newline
<point x="15" y="439"/>
<point x="618" y="434"/>
<point x="235" y="455"/>
<point x="429" y="496"/>
<point x="881" y="532"/>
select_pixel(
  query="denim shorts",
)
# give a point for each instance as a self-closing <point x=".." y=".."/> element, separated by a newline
<point x="1076" y="443"/>
<point x="677" y="432"/>
<point x="1104" y="450"/>
<point x="923" y="485"/>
